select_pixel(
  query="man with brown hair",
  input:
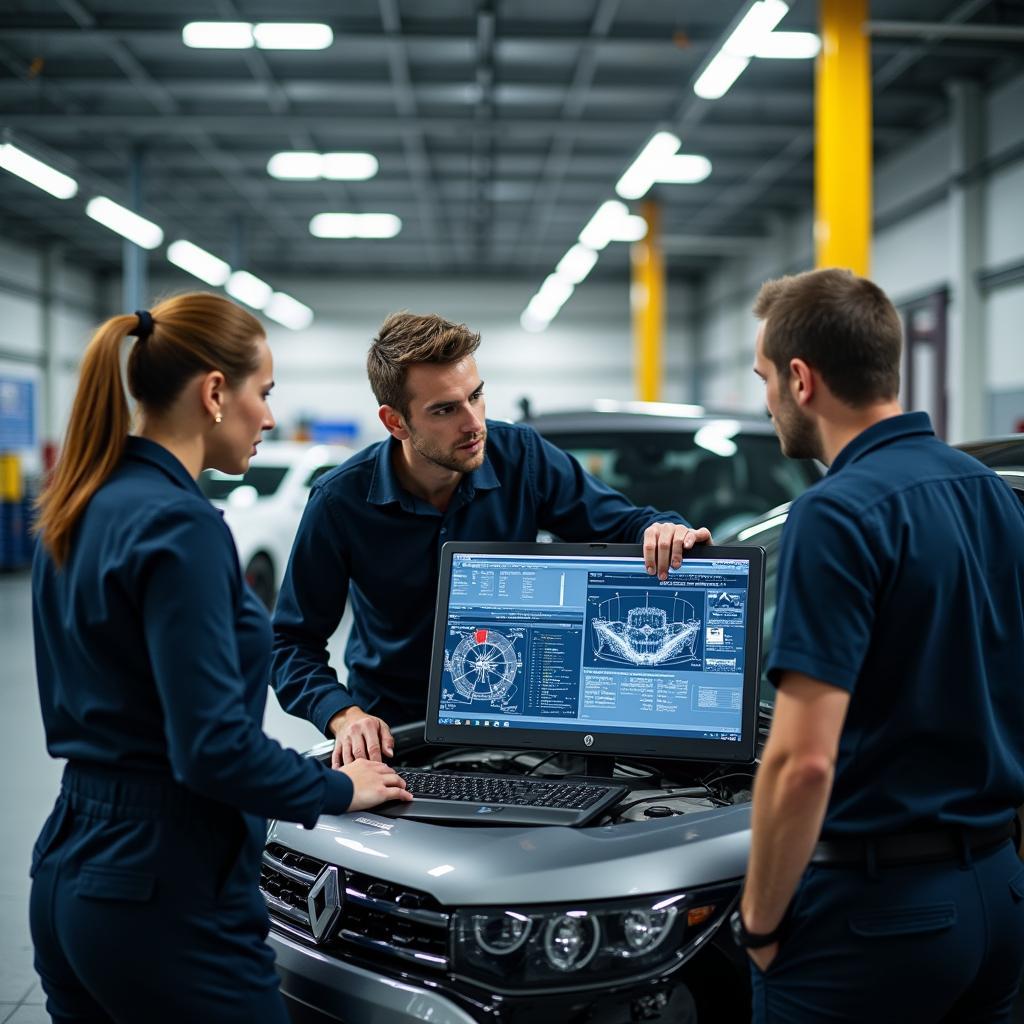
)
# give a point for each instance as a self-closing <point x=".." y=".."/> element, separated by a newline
<point x="374" y="528"/>
<point x="883" y="884"/>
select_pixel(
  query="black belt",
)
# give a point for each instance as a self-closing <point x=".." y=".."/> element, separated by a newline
<point x="909" y="848"/>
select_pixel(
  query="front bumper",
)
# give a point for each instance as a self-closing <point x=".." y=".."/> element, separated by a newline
<point x="321" y="989"/>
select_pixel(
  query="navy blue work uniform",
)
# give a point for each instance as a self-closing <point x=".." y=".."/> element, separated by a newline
<point x="901" y="580"/>
<point x="152" y="657"/>
<point x="364" y="537"/>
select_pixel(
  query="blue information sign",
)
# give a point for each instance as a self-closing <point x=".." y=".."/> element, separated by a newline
<point x="17" y="413"/>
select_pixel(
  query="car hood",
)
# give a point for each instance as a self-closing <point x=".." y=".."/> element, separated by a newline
<point x="480" y="866"/>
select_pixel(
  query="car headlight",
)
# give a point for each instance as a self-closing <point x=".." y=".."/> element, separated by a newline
<point x="584" y="944"/>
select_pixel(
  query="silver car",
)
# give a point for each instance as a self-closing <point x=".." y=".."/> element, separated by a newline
<point x="377" y="920"/>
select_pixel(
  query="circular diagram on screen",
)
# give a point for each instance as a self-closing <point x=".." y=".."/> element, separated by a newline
<point x="483" y="665"/>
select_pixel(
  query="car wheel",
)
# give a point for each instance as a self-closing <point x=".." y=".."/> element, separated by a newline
<point x="259" y="574"/>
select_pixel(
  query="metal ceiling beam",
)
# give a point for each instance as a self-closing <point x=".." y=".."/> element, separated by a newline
<point x="559" y="156"/>
<point x="933" y="31"/>
<point x="167" y="105"/>
<point x="374" y="127"/>
<point x="412" y="136"/>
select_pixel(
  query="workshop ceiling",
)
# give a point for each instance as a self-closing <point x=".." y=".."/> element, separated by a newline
<point x="499" y="125"/>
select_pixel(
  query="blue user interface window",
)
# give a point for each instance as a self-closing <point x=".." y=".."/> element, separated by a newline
<point x="596" y="645"/>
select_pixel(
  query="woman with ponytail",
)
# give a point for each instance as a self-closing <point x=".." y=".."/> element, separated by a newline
<point x="152" y="657"/>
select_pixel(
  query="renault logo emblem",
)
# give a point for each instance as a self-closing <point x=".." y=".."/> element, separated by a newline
<point x="588" y="740"/>
<point x="324" y="903"/>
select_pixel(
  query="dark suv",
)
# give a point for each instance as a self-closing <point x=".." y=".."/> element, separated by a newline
<point x="717" y="469"/>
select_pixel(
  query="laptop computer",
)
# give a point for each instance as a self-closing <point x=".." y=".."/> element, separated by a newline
<point x="574" y="647"/>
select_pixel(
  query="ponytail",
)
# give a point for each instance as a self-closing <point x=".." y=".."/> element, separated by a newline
<point x="184" y="335"/>
<point x="95" y="439"/>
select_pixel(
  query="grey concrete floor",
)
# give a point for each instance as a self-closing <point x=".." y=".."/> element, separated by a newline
<point x="29" y="782"/>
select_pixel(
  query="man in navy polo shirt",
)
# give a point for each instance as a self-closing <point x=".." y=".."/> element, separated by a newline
<point x="883" y="883"/>
<point x="374" y="527"/>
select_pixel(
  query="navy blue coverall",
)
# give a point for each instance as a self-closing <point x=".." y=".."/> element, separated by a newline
<point x="152" y="659"/>
<point x="901" y="580"/>
<point x="364" y="537"/>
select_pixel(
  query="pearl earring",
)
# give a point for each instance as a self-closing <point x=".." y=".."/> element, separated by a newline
<point x="217" y="418"/>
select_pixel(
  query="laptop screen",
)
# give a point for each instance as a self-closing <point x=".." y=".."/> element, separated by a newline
<point x="576" y="647"/>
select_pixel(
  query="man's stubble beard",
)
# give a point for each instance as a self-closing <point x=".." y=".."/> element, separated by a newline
<point x="447" y="459"/>
<point x="797" y="433"/>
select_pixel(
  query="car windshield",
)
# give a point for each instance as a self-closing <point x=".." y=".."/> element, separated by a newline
<point x="745" y="476"/>
<point x="265" y="480"/>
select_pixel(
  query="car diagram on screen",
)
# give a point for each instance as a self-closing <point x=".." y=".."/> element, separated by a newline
<point x="483" y="667"/>
<point x="662" y="632"/>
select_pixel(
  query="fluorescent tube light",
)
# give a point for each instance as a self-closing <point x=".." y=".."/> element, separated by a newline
<point x="630" y="228"/>
<point x="576" y="264"/>
<point x="349" y="166"/>
<point x="643" y="171"/>
<point x="288" y="312"/>
<point x="717" y="78"/>
<point x="35" y="172"/>
<point x="598" y="231"/>
<point x="757" y="23"/>
<point x="198" y="262"/>
<point x="789" y="46"/>
<point x="554" y="292"/>
<point x="532" y="322"/>
<point x="218" y="35"/>
<point x="378" y="225"/>
<point x="126" y="223"/>
<point x="355" y="225"/>
<point x="249" y="289"/>
<point x="743" y="43"/>
<point x="301" y="166"/>
<point x="685" y="169"/>
<point x="271" y="35"/>
<point x="296" y="166"/>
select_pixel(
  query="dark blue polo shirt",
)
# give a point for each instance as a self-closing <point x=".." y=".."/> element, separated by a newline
<point x="152" y="653"/>
<point x="364" y="538"/>
<point x="901" y="580"/>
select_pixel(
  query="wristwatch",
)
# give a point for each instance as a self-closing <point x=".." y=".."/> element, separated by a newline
<point x="751" y="940"/>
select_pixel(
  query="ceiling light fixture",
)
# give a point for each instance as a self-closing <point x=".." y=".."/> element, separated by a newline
<point x="218" y="35"/>
<point x="124" y="222"/>
<point x="789" y="46"/>
<point x="305" y="166"/>
<point x="249" y="289"/>
<point x="660" y="161"/>
<point x="35" y="172"/>
<point x="288" y="312"/>
<point x="198" y="262"/>
<point x="743" y="43"/>
<point x="355" y="225"/>
<point x="271" y="35"/>
<point x="576" y="264"/>
<point x="611" y="223"/>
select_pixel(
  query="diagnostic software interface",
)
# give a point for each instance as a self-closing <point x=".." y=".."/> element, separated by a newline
<point x="595" y="644"/>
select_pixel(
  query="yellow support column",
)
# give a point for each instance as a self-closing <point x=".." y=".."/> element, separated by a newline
<point x="647" y="298"/>
<point x="842" y="151"/>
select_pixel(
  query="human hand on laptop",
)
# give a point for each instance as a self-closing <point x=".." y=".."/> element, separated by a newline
<point x="374" y="783"/>
<point x="357" y="734"/>
<point x="665" y="543"/>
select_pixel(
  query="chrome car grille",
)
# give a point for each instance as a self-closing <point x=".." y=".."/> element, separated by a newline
<point x="378" y="920"/>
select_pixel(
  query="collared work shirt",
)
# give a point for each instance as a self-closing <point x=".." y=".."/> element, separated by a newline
<point x="152" y="654"/>
<point x="901" y="580"/>
<point x="365" y="538"/>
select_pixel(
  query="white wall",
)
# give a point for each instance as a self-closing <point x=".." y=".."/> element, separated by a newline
<point x="25" y="277"/>
<point x="586" y="353"/>
<point x="912" y="254"/>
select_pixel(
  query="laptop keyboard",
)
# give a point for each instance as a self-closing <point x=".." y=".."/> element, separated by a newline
<point x="508" y="799"/>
